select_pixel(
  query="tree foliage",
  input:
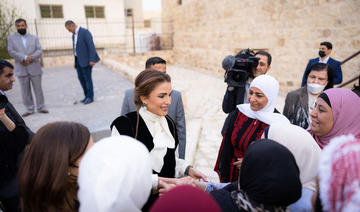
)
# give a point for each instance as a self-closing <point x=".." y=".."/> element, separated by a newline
<point x="8" y="15"/>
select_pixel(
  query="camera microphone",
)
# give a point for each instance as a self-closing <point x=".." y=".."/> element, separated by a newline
<point x="228" y="62"/>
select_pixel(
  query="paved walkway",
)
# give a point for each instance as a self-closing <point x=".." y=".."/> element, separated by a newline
<point x="62" y="88"/>
<point x="202" y="96"/>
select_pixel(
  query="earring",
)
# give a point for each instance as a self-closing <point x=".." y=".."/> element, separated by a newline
<point x="69" y="173"/>
<point x="144" y="104"/>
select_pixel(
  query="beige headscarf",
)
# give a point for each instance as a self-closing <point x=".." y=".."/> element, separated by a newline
<point x="115" y="175"/>
<point x="304" y="148"/>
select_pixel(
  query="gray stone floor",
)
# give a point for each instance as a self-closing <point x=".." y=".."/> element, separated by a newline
<point x="62" y="88"/>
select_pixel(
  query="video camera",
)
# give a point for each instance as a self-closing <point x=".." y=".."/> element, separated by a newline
<point x="238" y="69"/>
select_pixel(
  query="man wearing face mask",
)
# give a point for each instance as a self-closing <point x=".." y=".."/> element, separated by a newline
<point x="324" y="53"/>
<point x="300" y="103"/>
<point x="26" y="50"/>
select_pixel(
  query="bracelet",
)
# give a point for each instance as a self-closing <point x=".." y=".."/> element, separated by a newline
<point x="187" y="170"/>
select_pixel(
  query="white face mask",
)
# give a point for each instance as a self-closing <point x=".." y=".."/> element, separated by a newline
<point x="314" y="88"/>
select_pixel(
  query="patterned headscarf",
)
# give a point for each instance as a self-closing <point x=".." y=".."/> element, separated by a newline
<point x="339" y="175"/>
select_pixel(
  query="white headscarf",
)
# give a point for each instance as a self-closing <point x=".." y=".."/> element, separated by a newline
<point x="270" y="87"/>
<point x="304" y="148"/>
<point x="115" y="175"/>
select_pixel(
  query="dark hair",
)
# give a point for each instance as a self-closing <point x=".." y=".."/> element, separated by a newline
<point x="146" y="82"/>
<point x="3" y="64"/>
<point x="154" y="60"/>
<point x="264" y="53"/>
<point x="327" y="44"/>
<point x="69" y="23"/>
<point x="44" y="180"/>
<point x="321" y="67"/>
<point x="20" y="20"/>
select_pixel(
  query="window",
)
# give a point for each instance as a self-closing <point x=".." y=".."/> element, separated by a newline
<point x="129" y="12"/>
<point x="51" y="11"/>
<point x="94" y="12"/>
<point x="147" y="23"/>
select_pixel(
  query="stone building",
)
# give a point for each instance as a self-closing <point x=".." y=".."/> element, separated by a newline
<point x="204" y="32"/>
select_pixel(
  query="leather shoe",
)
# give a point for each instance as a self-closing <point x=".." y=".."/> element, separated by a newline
<point x="26" y="114"/>
<point x="44" y="111"/>
<point x="83" y="100"/>
<point x="88" y="101"/>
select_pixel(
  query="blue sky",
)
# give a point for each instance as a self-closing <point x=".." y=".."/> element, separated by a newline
<point x="151" y="4"/>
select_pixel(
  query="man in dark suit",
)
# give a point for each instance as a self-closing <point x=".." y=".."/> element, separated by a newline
<point x="176" y="108"/>
<point x="324" y="53"/>
<point x="85" y="58"/>
<point x="14" y="135"/>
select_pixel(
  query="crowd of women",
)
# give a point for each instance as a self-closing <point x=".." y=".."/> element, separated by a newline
<point x="265" y="163"/>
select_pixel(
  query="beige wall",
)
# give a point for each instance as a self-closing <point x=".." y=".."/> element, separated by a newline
<point x="136" y="5"/>
<point x="206" y="31"/>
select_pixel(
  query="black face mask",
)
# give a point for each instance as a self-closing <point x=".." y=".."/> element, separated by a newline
<point x="22" y="31"/>
<point x="322" y="54"/>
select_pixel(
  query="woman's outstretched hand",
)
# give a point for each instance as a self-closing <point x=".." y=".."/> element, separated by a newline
<point x="197" y="174"/>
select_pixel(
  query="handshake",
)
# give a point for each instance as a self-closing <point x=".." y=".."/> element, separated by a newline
<point x="166" y="184"/>
<point x="195" y="178"/>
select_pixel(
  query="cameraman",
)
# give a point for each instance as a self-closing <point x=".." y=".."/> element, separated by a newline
<point x="235" y="95"/>
<point x="238" y="95"/>
<point x="14" y="135"/>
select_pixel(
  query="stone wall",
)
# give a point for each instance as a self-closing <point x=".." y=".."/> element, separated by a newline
<point x="138" y="60"/>
<point x="206" y="31"/>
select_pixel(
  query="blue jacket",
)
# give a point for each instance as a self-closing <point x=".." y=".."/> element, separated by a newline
<point x="85" y="48"/>
<point x="334" y="64"/>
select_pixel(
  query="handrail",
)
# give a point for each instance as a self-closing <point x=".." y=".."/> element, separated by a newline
<point x="349" y="58"/>
<point x="349" y="81"/>
<point x="353" y="79"/>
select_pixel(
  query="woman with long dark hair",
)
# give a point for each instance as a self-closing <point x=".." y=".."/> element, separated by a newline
<point x="48" y="172"/>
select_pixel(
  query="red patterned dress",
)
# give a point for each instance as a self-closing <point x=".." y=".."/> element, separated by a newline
<point x="241" y="132"/>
